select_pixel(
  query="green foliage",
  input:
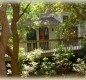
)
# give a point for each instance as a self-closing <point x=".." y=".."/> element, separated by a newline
<point x="62" y="61"/>
<point x="62" y="54"/>
<point x="77" y="10"/>
<point x="62" y="30"/>
<point x="80" y="67"/>
<point x="83" y="44"/>
<point x="33" y="59"/>
<point x="10" y="41"/>
<point x="20" y="59"/>
<point x="9" y="12"/>
<point x="46" y="66"/>
<point x="33" y="55"/>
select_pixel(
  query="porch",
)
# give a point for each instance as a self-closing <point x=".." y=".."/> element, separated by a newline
<point x="49" y="46"/>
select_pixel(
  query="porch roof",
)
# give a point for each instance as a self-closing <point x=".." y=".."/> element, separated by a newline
<point x="43" y="21"/>
<point x="49" y="21"/>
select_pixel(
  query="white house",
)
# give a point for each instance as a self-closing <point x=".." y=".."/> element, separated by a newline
<point x="45" y="36"/>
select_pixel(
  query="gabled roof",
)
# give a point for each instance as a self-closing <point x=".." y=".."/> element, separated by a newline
<point x="49" y="20"/>
<point x="43" y="21"/>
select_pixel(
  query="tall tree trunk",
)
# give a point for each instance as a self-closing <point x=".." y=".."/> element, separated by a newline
<point x="9" y="51"/>
<point x="14" y="59"/>
<point x="4" y="38"/>
<point x="2" y="61"/>
<point x="16" y="17"/>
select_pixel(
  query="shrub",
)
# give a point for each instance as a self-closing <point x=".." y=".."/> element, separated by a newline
<point x="31" y="60"/>
<point x="46" y="67"/>
<point x="37" y="65"/>
<point x="21" y="59"/>
<point x="62" y="57"/>
<point x="80" y="67"/>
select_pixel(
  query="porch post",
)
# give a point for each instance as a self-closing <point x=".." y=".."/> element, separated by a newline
<point x="79" y="32"/>
<point x="37" y="30"/>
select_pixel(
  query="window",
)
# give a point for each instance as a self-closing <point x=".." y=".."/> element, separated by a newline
<point x="31" y="35"/>
<point x="65" y="18"/>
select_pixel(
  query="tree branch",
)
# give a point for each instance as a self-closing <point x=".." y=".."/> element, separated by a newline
<point x="80" y="15"/>
<point x="24" y="10"/>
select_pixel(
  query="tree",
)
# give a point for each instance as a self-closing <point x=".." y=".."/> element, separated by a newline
<point x="4" y="38"/>
<point x="16" y="17"/>
<point x="77" y="13"/>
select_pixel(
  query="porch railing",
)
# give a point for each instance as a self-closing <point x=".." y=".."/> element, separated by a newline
<point x="71" y="43"/>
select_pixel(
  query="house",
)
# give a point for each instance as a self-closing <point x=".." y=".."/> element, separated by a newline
<point x="45" y="37"/>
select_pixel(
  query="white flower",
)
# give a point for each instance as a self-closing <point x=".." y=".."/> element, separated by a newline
<point x="25" y="72"/>
<point x="34" y="54"/>
<point x="9" y="71"/>
<point x="30" y="69"/>
<point x="34" y="63"/>
<point x="45" y="58"/>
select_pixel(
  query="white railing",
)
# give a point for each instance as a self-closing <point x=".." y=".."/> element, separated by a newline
<point x="51" y="45"/>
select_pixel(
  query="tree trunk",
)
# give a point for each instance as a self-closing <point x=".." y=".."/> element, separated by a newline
<point x="14" y="59"/>
<point x="16" y="16"/>
<point x="2" y="61"/>
<point x="4" y="38"/>
<point x="9" y="52"/>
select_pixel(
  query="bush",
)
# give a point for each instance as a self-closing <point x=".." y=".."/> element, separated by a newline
<point x="21" y="59"/>
<point x="80" y="66"/>
<point x="62" y="57"/>
<point x="37" y="65"/>
<point x="31" y="62"/>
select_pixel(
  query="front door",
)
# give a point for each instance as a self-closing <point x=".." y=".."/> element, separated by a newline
<point x="43" y="37"/>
